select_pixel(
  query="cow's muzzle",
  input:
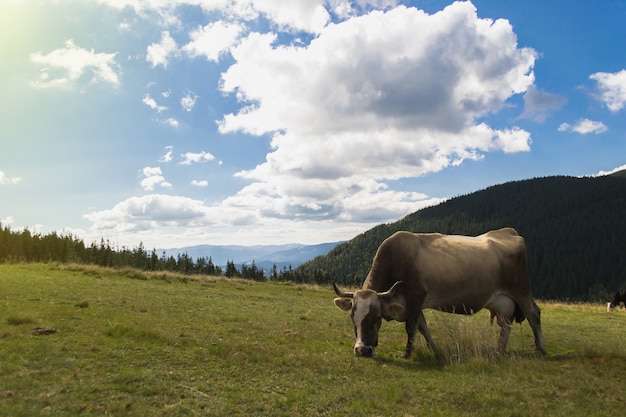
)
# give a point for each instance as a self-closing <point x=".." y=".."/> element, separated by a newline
<point x="365" y="351"/>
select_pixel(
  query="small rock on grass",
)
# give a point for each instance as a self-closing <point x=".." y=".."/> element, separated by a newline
<point x="43" y="331"/>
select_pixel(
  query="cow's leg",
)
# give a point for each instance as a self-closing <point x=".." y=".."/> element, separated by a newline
<point x="410" y="325"/>
<point x="415" y="321"/>
<point x="533" y="315"/>
<point x="423" y="328"/>
<point x="505" y="332"/>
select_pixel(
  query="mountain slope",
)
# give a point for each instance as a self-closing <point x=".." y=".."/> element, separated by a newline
<point x="574" y="230"/>
<point x="264" y="256"/>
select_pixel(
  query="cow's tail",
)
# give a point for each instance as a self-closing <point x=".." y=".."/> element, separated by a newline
<point x="518" y="315"/>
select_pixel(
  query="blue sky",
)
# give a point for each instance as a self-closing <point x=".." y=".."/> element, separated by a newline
<point x="185" y="122"/>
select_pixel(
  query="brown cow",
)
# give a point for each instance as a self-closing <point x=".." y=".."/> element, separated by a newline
<point x="455" y="274"/>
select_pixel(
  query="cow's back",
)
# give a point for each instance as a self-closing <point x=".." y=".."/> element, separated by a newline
<point x="451" y="270"/>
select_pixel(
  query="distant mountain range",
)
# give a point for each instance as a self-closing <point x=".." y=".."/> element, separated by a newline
<point x="263" y="256"/>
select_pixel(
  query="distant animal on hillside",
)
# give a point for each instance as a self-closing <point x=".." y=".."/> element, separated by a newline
<point x="455" y="274"/>
<point x="620" y="297"/>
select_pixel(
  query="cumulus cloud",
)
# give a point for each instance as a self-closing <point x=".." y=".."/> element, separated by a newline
<point x="379" y="97"/>
<point x="169" y="154"/>
<point x="611" y="89"/>
<point x="200" y="183"/>
<point x="154" y="210"/>
<point x="291" y="15"/>
<point x="188" y="102"/>
<point x="231" y="221"/>
<point x="171" y="122"/>
<point x="142" y="213"/>
<point x="213" y="40"/>
<point x="195" y="158"/>
<point x="150" y="102"/>
<point x="72" y="66"/>
<point x="159" y="53"/>
<point x="307" y="15"/>
<point x="584" y="127"/>
<point x="6" y="180"/>
<point x="153" y="177"/>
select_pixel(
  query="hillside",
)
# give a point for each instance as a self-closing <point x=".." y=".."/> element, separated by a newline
<point x="574" y="230"/>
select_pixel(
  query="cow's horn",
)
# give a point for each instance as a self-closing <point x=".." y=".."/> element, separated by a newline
<point x="389" y="293"/>
<point x="341" y="293"/>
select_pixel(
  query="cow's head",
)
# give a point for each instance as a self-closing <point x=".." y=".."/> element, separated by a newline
<point x="367" y="309"/>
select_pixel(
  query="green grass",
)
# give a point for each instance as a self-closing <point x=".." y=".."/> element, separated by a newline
<point x="140" y="344"/>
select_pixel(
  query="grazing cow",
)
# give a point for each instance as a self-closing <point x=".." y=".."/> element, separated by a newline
<point x="455" y="274"/>
<point x="620" y="297"/>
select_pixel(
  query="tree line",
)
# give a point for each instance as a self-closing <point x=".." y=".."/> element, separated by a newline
<point x="26" y="246"/>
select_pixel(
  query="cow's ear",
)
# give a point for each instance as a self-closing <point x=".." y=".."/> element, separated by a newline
<point x="394" y="311"/>
<point x="343" y="303"/>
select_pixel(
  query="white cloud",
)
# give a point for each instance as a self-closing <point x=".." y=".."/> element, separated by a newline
<point x="164" y="9"/>
<point x="183" y="221"/>
<point x="612" y="89"/>
<point x="68" y="66"/>
<point x="307" y="15"/>
<point x="6" y="180"/>
<point x="168" y="154"/>
<point x="188" y="102"/>
<point x="154" y="210"/>
<point x="200" y="183"/>
<point x="213" y="40"/>
<point x="379" y="97"/>
<point x="172" y="122"/>
<point x="145" y="212"/>
<point x="7" y="221"/>
<point x="300" y="15"/>
<point x="584" y="127"/>
<point x="159" y="53"/>
<point x="195" y="158"/>
<point x="150" y="102"/>
<point x="153" y="177"/>
<point x="613" y="171"/>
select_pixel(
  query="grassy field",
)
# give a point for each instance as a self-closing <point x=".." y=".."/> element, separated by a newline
<point x="138" y="344"/>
